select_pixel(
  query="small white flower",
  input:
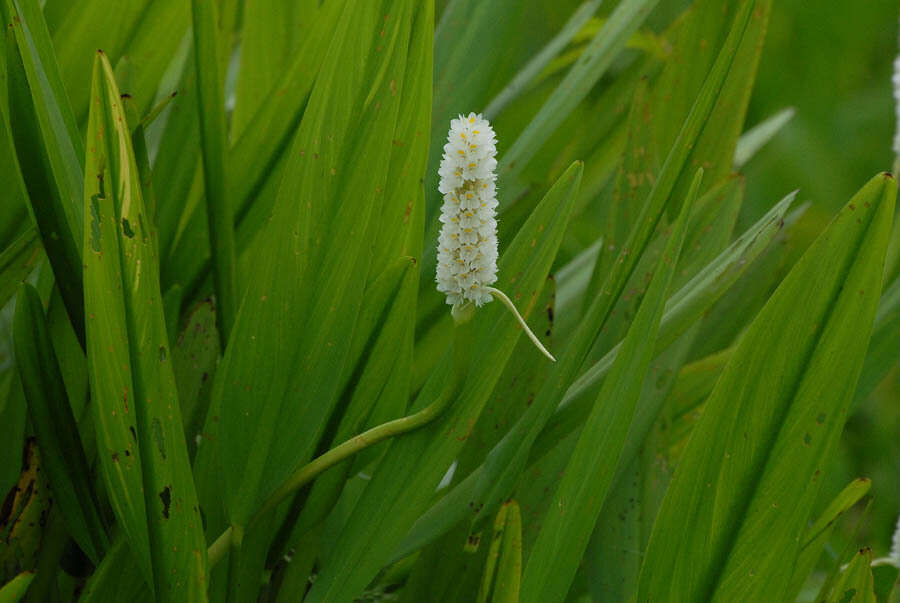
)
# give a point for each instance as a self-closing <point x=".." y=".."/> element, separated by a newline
<point x="467" y="246"/>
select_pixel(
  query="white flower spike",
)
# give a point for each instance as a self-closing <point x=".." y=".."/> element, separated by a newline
<point x="467" y="246"/>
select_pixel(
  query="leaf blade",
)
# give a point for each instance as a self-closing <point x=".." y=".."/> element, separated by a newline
<point x="699" y="544"/>
<point x="579" y="499"/>
<point x="51" y="416"/>
<point x="129" y="355"/>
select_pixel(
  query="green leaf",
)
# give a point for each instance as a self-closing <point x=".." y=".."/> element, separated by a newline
<point x="504" y="558"/>
<point x="17" y="261"/>
<point x="400" y="489"/>
<point x="380" y="341"/>
<point x="117" y="578"/>
<point x="255" y="160"/>
<point x="694" y="384"/>
<point x="612" y="558"/>
<point x="536" y="65"/>
<point x="633" y="183"/>
<point x="517" y="387"/>
<point x="856" y="584"/>
<point x="887" y="579"/>
<point x="53" y="422"/>
<point x="48" y="146"/>
<point x="15" y="589"/>
<point x="695" y="48"/>
<point x="178" y="172"/>
<point x="13" y="411"/>
<point x="14" y="197"/>
<point x="691" y="301"/>
<point x="272" y="32"/>
<point x="94" y="24"/>
<point x="731" y="521"/>
<point x="147" y="48"/>
<point x="194" y="358"/>
<point x="219" y="212"/>
<point x="816" y="536"/>
<point x="578" y="500"/>
<point x="759" y="135"/>
<point x="591" y="65"/>
<point x="73" y="366"/>
<point x="140" y="435"/>
<point x="881" y="356"/>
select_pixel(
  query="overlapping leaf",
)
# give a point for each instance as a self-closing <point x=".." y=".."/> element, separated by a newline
<point x="589" y="473"/>
<point x="54" y="423"/>
<point x="732" y="518"/>
<point x="141" y="443"/>
<point x="48" y="146"/>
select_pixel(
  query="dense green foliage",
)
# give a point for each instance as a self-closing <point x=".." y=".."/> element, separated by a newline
<point x="226" y="373"/>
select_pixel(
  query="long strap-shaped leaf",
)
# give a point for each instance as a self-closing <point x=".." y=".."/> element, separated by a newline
<point x="503" y="569"/>
<point x="48" y="146"/>
<point x="578" y="500"/>
<point x="730" y="525"/>
<point x="856" y="583"/>
<point x="139" y="431"/>
<point x="15" y="589"/>
<point x="219" y="212"/>
<point x="592" y="64"/>
<point x="54" y="423"/>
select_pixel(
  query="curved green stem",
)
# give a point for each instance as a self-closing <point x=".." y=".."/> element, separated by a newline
<point x="512" y="308"/>
<point x="311" y="470"/>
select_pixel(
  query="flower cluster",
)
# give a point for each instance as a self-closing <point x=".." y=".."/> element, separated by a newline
<point x="467" y="247"/>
